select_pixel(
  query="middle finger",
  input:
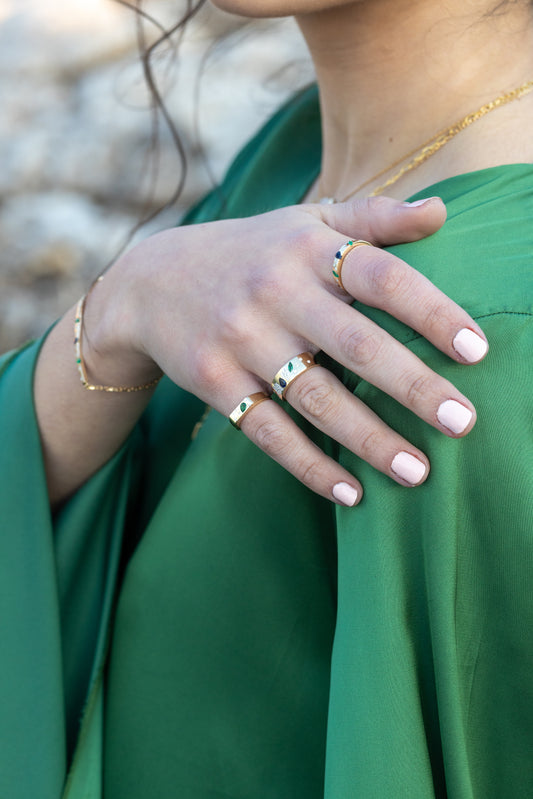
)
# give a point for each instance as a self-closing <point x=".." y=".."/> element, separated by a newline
<point x="360" y="345"/>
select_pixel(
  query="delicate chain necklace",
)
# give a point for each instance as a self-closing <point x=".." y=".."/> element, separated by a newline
<point x="424" y="151"/>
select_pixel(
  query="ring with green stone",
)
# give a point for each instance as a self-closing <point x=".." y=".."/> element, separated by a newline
<point x="290" y="371"/>
<point x="245" y="405"/>
<point x="341" y="254"/>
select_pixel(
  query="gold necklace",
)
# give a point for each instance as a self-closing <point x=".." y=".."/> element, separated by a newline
<point x="424" y="151"/>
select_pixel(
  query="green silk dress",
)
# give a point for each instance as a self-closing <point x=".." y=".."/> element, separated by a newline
<point x="220" y="632"/>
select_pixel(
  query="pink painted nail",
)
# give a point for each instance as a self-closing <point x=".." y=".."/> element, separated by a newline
<point x="409" y="468"/>
<point x="454" y="416"/>
<point x="345" y="493"/>
<point x="416" y="203"/>
<point x="469" y="345"/>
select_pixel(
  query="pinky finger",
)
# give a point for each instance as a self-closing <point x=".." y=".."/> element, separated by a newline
<point x="274" y="432"/>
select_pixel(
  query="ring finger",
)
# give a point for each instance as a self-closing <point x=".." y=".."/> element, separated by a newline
<point x="325" y="402"/>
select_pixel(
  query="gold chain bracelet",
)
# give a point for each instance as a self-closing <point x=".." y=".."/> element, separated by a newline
<point x="78" y="333"/>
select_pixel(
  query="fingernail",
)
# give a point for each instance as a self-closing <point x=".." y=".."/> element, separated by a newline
<point x="409" y="468"/>
<point x="469" y="345"/>
<point x="416" y="203"/>
<point x="454" y="416"/>
<point x="345" y="493"/>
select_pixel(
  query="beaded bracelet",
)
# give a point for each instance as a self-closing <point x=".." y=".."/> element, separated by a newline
<point x="78" y="331"/>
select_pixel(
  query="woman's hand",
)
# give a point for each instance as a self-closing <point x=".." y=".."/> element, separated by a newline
<point x="220" y="307"/>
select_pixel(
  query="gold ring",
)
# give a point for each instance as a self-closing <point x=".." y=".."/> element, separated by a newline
<point x="245" y="405"/>
<point x="290" y="371"/>
<point x="340" y="255"/>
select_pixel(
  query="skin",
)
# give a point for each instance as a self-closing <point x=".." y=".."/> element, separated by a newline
<point x="393" y="58"/>
<point x="415" y="67"/>
<point x="143" y="317"/>
<point x="277" y="8"/>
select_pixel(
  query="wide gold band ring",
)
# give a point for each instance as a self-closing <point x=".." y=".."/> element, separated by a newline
<point x="341" y="254"/>
<point x="290" y="371"/>
<point x="245" y="405"/>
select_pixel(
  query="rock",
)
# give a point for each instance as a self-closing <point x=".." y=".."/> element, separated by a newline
<point x="57" y="234"/>
<point x="75" y="134"/>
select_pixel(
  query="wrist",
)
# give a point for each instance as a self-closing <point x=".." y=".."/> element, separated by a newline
<point x="110" y="357"/>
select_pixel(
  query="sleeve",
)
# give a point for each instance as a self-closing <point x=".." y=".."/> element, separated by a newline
<point x="434" y="645"/>
<point x="56" y="589"/>
<point x="59" y="576"/>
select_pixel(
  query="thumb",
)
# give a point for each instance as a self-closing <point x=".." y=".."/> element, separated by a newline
<point x="384" y="221"/>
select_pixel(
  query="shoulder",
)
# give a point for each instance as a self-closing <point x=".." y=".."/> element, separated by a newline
<point x="482" y="258"/>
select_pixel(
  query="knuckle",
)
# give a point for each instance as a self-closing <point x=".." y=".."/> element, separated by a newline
<point x="369" y="445"/>
<point x="378" y="206"/>
<point x="315" y="400"/>
<point x="263" y="283"/>
<point x="270" y="437"/>
<point x="274" y="280"/>
<point x="418" y="389"/>
<point x="208" y="370"/>
<point x="437" y="316"/>
<point x="385" y="277"/>
<point x="310" y="473"/>
<point x="232" y="325"/>
<point x="304" y="240"/>
<point x="377" y="211"/>
<point x="359" y="346"/>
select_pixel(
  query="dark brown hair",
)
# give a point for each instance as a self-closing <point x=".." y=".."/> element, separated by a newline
<point x="171" y="37"/>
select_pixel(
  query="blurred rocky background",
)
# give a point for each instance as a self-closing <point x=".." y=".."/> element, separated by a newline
<point x="75" y="134"/>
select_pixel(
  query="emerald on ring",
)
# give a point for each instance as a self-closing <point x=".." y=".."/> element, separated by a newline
<point x="290" y="371"/>
<point x="245" y="405"/>
<point x="341" y="254"/>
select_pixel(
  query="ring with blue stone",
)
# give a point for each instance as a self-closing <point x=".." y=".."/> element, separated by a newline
<point x="245" y="405"/>
<point x="341" y="254"/>
<point x="290" y="371"/>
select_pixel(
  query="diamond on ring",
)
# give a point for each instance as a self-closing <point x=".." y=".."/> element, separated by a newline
<point x="290" y="371"/>
<point x="341" y="254"/>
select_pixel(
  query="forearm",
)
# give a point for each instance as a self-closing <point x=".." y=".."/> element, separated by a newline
<point x="81" y="429"/>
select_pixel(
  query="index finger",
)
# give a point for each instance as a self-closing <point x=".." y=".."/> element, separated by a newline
<point x="381" y="280"/>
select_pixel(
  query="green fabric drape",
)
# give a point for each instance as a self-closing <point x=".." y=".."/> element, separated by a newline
<point x="266" y="643"/>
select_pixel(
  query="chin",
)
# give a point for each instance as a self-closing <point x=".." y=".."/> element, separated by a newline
<point x="277" y="8"/>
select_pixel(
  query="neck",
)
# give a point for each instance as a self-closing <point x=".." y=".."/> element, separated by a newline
<point x="391" y="73"/>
